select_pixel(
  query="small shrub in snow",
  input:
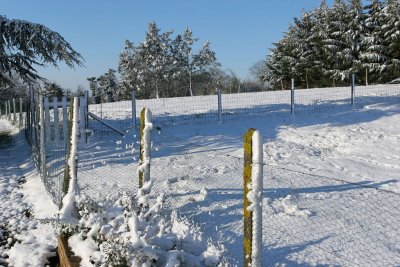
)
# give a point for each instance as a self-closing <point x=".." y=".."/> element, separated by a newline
<point x="124" y="233"/>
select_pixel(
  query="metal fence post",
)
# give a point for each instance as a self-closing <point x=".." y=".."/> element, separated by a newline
<point x="219" y="105"/>
<point x="292" y="98"/>
<point x="86" y="111"/>
<point x="353" y="88"/>
<point x="134" y="108"/>
<point x="32" y="106"/>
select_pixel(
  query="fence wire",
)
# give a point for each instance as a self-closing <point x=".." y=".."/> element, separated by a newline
<point x="50" y="157"/>
<point x="180" y="110"/>
<point x="308" y="219"/>
<point x="107" y="164"/>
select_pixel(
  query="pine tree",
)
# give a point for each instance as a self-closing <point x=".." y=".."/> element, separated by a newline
<point x="24" y="45"/>
<point x="373" y="54"/>
<point x="391" y="40"/>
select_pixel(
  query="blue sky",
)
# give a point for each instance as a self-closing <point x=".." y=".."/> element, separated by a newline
<point x="240" y="32"/>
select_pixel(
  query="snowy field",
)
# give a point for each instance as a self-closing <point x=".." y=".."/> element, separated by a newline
<point x="185" y="109"/>
<point x="331" y="178"/>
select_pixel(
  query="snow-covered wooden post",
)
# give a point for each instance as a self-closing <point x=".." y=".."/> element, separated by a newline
<point x="42" y="139"/>
<point x="14" y="111"/>
<point x="292" y="98"/>
<point x="134" y="108"/>
<point x="219" y="105"/>
<point x="70" y="175"/>
<point x="253" y="186"/>
<point x="353" y="87"/>
<point x="145" y="146"/>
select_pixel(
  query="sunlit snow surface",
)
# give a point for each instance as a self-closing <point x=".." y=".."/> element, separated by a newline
<point x="331" y="177"/>
<point x="331" y="180"/>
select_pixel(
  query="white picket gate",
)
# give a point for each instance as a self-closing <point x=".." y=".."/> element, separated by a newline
<point x="56" y="118"/>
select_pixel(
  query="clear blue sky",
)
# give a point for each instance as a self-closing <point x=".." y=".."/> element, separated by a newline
<point x="240" y="32"/>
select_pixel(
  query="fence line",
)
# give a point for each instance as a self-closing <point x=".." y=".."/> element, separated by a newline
<point x="216" y="108"/>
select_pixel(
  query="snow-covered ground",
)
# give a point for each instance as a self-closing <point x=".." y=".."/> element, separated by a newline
<point x="331" y="188"/>
<point x="331" y="181"/>
<point x="26" y="237"/>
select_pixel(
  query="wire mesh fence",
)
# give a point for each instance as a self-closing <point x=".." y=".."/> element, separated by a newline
<point x="107" y="164"/>
<point x="46" y="131"/>
<point x="179" y="110"/>
<point x="308" y="219"/>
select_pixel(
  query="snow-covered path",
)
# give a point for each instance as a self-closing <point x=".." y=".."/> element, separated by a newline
<point x="24" y="239"/>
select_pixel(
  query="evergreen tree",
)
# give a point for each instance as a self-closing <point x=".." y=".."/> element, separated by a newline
<point x="24" y="45"/>
<point x="373" y="54"/>
<point x="164" y="67"/>
<point x="391" y="40"/>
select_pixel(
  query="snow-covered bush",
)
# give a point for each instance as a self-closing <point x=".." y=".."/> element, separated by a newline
<point x="122" y="233"/>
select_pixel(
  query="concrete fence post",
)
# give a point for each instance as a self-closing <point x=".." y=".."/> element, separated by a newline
<point x="252" y="198"/>
<point x="292" y="98"/>
<point x="134" y="108"/>
<point x="219" y="105"/>
<point x="353" y="88"/>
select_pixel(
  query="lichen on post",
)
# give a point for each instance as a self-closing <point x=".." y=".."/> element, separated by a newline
<point x="145" y="147"/>
<point x="252" y="198"/>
